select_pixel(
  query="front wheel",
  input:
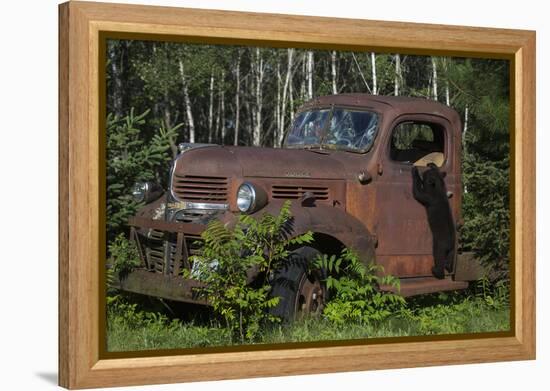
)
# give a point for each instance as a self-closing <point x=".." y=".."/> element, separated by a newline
<point x="301" y="291"/>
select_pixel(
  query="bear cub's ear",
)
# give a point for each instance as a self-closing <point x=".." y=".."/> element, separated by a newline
<point x="433" y="166"/>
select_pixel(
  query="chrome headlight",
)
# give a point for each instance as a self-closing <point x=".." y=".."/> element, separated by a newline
<point x="246" y="196"/>
<point x="139" y="190"/>
<point x="250" y="198"/>
<point x="146" y="192"/>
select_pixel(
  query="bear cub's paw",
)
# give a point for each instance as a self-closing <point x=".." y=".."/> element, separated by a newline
<point x="438" y="273"/>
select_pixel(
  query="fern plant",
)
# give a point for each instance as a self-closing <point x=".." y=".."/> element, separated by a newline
<point x="230" y="253"/>
<point x="355" y="292"/>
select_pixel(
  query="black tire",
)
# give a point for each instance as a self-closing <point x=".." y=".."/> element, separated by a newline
<point x="301" y="293"/>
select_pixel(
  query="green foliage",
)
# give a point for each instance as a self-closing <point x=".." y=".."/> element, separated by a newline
<point x="131" y="315"/>
<point x="485" y="158"/>
<point x="129" y="328"/>
<point x="124" y="257"/>
<point x="132" y="157"/>
<point x="494" y="295"/>
<point x="485" y="309"/>
<point x="486" y="227"/>
<point x="226" y="257"/>
<point x="355" y="289"/>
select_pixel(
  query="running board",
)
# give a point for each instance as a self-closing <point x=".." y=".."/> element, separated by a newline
<point x="423" y="285"/>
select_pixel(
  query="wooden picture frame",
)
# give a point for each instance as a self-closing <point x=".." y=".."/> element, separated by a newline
<point x="83" y="25"/>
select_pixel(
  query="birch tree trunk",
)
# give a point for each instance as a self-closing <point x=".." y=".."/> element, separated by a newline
<point x="465" y="123"/>
<point x="291" y="98"/>
<point x="211" y="106"/>
<point x="304" y="77"/>
<point x="216" y="136"/>
<point x="278" y="107"/>
<point x="398" y="76"/>
<point x="310" y="75"/>
<point x="222" y="97"/>
<point x="237" y="97"/>
<point x="333" y="71"/>
<point x="259" y="99"/>
<point x="187" y="101"/>
<point x="249" y="114"/>
<point x="434" y="79"/>
<point x="374" y="79"/>
<point x="447" y="92"/>
<point x="361" y="73"/>
<point x="116" y="74"/>
<point x="287" y="86"/>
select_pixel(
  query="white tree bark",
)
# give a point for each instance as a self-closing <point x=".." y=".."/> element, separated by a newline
<point x="237" y="98"/>
<point x="188" y="111"/>
<point x="291" y="98"/>
<point x="398" y="75"/>
<point x="222" y="98"/>
<point x="259" y="64"/>
<point x="216" y="135"/>
<point x="310" y="75"/>
<point x="333" y="71"/>
<point x="374" y="79"/>
<point x="447" y="90"/>
<point x="304" y="77"/>
<point x="465" y="121"/>
<point x="211" y="106"/>
<point x="361" y="73"/>
<point x="434" y="79"/>
<point x="277" y="107"/>
<point x="116" y="77"/>
<point x="287" y="84"/>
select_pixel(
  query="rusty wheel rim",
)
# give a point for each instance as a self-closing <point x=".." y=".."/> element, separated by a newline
<point x="310" y="297"/>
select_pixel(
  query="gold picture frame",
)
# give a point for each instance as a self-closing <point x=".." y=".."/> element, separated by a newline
<point x="83" y="28"/>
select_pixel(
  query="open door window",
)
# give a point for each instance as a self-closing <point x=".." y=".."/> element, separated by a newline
<point x="418" y="143"/>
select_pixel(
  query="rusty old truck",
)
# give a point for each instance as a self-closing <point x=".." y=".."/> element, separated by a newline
<point x="345" y="164"/>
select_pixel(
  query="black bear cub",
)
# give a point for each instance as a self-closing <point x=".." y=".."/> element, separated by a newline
<point x="430" y="191"/>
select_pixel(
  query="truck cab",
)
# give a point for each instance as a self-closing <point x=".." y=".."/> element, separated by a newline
<point x="345" y="165"/>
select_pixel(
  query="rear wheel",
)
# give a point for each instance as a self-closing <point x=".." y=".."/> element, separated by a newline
<point x="301" y="292"/>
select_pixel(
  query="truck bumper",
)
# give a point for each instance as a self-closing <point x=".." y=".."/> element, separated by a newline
<point x="159" y="285"/>
<point x="164" y="248"/>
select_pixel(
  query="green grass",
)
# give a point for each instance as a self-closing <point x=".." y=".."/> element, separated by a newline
<point x="138" y="326"/>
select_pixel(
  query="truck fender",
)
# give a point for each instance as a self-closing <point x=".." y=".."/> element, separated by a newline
<point x="330" y="221"/>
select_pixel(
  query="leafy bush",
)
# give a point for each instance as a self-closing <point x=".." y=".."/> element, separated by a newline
<point x="495" y="295"/>
<point x="354" y="286"/>
<point x="486" y="212"/>
<point x="228" y="254"/>
<point x="124" y="256"/>
<point x="132" y="157"/>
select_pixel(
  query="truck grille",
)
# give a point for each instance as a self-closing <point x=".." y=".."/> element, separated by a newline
<point x="288" y="192"/>
<point x="200" y="188"/>
<point x="160" y="250"/>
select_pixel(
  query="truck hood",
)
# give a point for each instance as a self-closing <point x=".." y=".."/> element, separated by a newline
<point x="228" y="161"/>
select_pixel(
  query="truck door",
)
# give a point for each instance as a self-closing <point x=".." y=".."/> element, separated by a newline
<point x="404" y="236"/>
